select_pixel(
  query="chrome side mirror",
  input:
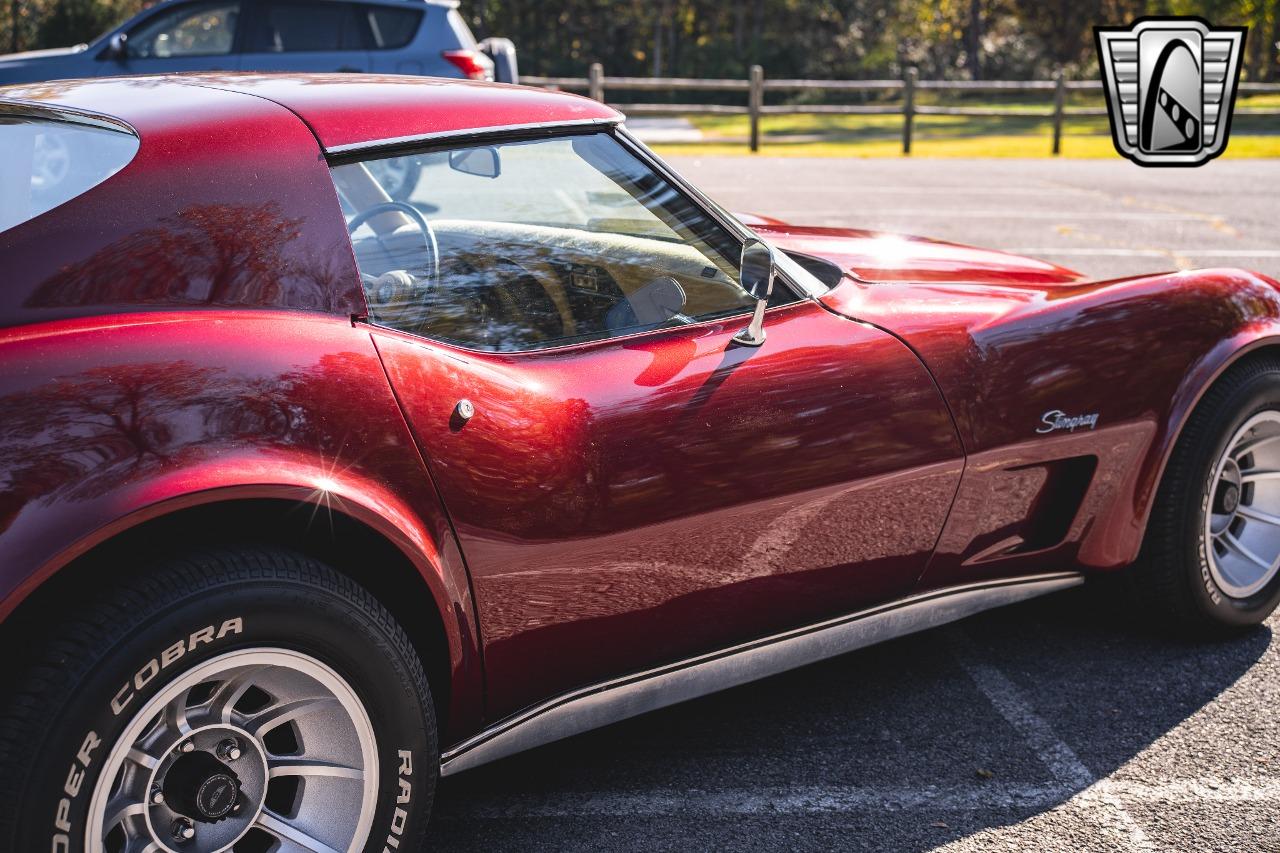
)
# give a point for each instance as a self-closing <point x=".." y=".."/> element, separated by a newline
<point x="757" y="273"/>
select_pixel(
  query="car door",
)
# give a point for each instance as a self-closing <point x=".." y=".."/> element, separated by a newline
<point x="196" y="36"/>
<point x="302" y="35"/>
<point x="630" y="485"/>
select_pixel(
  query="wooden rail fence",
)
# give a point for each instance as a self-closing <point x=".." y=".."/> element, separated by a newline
<point x="756" y="86"/>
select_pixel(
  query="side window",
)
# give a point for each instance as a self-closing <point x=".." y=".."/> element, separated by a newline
<point x="526" y="245"/>
<point x="46" y="163"/>
<point x="390" y="27"/>
<point x="193" y="29"/>
<point x="288" y="27"/>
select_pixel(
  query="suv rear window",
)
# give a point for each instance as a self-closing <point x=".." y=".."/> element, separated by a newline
<point x="290" y="27"/>
<point x="45" y="163"/>
<point x="391" y="28"/>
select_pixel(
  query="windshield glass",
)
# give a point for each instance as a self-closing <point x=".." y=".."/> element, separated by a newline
<point x="528" y="244"/>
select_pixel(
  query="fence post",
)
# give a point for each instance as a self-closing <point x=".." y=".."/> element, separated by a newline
<point x="595" y="82"/>
<point x="755" y="100"/>
<point x="1059" y="103"/>
<point x="908" y="108"/>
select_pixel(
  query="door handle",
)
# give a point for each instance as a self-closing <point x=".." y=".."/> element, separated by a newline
<point x="464" y="411"/>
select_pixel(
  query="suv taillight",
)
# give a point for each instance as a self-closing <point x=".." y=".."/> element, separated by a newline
<point x="473" y="64"/>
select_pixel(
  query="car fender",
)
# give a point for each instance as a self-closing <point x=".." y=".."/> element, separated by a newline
<point x="1229" y="351"/>
<point x="1138" y="353"/>
<point x="302" y="479"/>
<point x="113" y="422"/>
<point x="1251" y="324"/>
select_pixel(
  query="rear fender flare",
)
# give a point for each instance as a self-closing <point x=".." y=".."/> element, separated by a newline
<point x="428" y="545"/>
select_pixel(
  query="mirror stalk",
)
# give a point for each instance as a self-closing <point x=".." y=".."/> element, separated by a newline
<point x="757" y="272"/>
<point x="753" y="335"/>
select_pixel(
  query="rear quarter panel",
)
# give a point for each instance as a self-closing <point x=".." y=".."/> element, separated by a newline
<point x="227" y="203"/>
<point x="108" y="422"/>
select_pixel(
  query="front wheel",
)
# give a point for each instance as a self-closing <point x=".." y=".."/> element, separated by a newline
<point x="1211" y="559"/>
<point x="251" y="700"/>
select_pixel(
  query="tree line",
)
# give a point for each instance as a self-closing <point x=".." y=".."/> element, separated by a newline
<point x="819" y="39"/>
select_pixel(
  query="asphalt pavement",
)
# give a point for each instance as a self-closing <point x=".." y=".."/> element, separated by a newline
<point x="1106" y="218"/>
<point x="1058" y="725"/>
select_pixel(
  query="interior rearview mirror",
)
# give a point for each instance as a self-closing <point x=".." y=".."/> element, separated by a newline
<point x="758" y="271"/>
<point x="476" y="161"/>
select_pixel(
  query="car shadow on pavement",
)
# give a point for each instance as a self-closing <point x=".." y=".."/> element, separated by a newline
<point x="903" y="746"/>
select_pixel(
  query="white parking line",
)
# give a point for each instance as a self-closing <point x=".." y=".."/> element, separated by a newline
<point x="827" y="799"/>
<point x="1147" y="253"/>
<point x="935" y="190"/>
<point x="943" y="212"/>
<point x="1211" y="790"/>
<point x="799" y="800"/>
<point x="1063" y="763"/>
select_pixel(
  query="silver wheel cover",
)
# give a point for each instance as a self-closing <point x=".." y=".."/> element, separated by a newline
<point x="1242" y="509"/>
<point x="302" y="737"/>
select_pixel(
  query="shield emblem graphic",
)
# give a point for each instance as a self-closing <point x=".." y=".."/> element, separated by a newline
<point x="1170" y="86"/>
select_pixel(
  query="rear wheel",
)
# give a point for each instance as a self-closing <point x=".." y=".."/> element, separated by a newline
<point x="251" y="700"/>
<point x="1211" y="558"/>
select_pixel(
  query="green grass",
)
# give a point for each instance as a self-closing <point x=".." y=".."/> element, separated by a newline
<point x="954" y="136"/>
<point x="1077" y="147"/>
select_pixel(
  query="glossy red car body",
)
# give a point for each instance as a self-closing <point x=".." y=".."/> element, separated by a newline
<point x="186" y="338"/>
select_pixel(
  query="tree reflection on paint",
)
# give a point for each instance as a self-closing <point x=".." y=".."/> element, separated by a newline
<point x="216" y="254"/>
<point x="80" y="436"/>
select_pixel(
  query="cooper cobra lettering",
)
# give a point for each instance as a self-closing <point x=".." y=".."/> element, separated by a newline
<point x="144" y="676"/>
<point x="168" y="657"/>
<point x="70" y="790"/>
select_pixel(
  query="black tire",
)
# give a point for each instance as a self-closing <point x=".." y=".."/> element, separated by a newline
<point x="1171" y="581"/>
<point x="266" y="598"/>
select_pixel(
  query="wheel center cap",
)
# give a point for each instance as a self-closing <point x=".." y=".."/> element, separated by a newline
<point x="201" y="787"/>
<point x="1230" y="498"/>
<point x="216" y="796"/>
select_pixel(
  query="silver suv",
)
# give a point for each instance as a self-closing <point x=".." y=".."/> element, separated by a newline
<point x="425" y="37"/>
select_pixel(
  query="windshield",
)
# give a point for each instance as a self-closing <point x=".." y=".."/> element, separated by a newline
<point x="523" y="245"/>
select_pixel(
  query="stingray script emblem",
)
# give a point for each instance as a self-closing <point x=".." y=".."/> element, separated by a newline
<point x="1056" y="419"/>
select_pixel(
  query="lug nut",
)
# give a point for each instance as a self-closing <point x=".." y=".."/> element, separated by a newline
<point x="183" y="829"/>
<point x="157" y="796"/>
<point x="188" y="746"/>
<point x="229" y="749"/>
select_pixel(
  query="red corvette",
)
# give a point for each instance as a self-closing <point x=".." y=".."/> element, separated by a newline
<point x="309" y="495"/>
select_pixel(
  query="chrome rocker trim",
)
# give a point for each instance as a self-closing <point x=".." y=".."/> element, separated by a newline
<point x="610" y="701"/>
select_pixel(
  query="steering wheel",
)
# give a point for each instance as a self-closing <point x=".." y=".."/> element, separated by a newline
<point x="432" y="265"/>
